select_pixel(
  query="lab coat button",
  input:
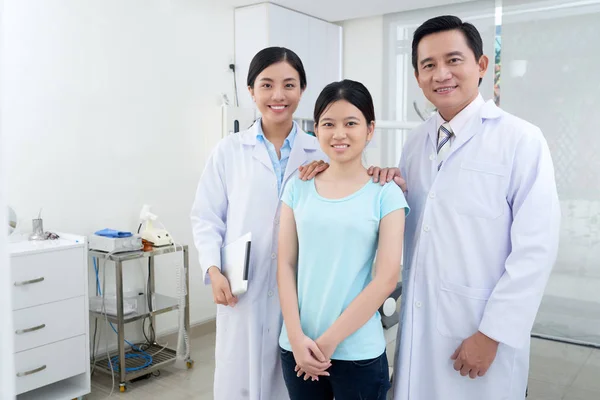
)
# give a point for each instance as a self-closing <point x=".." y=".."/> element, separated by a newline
<point x="273" y="256"/>
<point x="432" y="157"/>
<point x="276" y="221"/>
<point x="270" y="294"/>
<point x="432" y="195"/>
<point x="426" y="228"/>
<point x="418" y="304"/>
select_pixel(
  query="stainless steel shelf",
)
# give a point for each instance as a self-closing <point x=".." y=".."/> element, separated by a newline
<point x="161" y="304"/>
<point x="134" y="255"/>
<point x="160" y="358"/>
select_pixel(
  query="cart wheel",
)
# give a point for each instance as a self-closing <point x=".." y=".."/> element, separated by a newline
<point x="122" y="388"/>
<point x="190" y="364"/>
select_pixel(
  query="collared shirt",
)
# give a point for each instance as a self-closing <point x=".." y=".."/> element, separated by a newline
<point x="279" y="164"/>
<point x="460" y="120"/>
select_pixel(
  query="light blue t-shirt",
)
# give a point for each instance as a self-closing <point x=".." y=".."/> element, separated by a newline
<point x="337" y="244"/>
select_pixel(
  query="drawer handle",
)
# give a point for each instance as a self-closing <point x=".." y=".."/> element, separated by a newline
<point x="33" y="371"/>
<point x="29" y="282"/>
<point x="35" y="328"/>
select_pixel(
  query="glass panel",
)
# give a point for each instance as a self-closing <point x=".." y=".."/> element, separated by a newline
<point x="549" y="77"/>
<point x="544" y="55"/>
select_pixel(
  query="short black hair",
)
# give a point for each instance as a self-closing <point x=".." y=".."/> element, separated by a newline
<point x="353" y="92"/>
<point x="447" y="23"/>
<point x="272" y="55"/>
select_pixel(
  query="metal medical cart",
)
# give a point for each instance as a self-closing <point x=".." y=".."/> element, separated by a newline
<point x="159" y="304"/>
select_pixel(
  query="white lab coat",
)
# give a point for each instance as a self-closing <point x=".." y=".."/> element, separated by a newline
<point x="237" y="194"/>
<point x="480" y="243"/>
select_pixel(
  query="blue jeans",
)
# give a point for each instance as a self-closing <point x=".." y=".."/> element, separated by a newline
<point x="348" y="380"/>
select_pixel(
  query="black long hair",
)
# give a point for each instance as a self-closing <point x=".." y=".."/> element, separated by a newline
<point x="353" y="92"/>
<point x="272" y="55"/>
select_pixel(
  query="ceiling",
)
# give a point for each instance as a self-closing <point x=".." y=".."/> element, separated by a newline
<point x="339" y="10"/>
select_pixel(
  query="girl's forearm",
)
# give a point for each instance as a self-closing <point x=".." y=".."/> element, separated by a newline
<point x="288" y="297"/>
<point x="360" y="310"/>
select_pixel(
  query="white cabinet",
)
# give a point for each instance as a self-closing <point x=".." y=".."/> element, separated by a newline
<point x="317" y="43"/>
<point x="50" y="318"/>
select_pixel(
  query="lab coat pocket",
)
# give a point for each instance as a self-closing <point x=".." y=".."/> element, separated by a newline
<point x="225" y="334"/>
<point x="481" y="189"/>
<point x="460" y="309"/>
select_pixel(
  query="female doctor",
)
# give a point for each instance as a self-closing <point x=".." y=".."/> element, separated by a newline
<point x="239" y="192"/>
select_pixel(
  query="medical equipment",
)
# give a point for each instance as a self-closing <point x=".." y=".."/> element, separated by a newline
<point x="115" y="244"/>
<point x="158" y="237"/>
<point x="38" y="233"/>
<point x="38" y="228"/>
<point x="12" y="220"/>
<point x="390" y="315"/>
<point x="427" y="112"/>
<point x="110" y="304"/>
<point x="150" y="304"/>
<point x="114" y="362"/>
<point x="183" y="340"/>
<point x="236" y="119"/>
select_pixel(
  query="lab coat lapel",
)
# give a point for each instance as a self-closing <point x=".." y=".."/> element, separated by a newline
<point x="432" y="130"/>
<point x="475" y="125"/>
<point x="472" y="127"/>
<point x="259" y="152"/>
<point x="298" y="155"/>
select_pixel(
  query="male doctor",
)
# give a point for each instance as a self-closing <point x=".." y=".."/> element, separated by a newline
<point x="482" y="237"/>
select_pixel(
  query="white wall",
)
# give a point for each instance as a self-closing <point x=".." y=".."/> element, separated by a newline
<point x="363" y="62"/>
<point x="109" y="105"/>
<point x="6" y="334"/>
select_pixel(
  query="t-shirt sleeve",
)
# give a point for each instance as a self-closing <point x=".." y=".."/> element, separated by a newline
<point x="392" y="199"/>
<point x="289" y="191"/>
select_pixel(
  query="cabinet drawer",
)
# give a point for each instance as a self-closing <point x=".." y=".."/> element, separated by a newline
<point x="48" y="364"/>
<point x="47" y="277"/>
<point x="49" y="323"/>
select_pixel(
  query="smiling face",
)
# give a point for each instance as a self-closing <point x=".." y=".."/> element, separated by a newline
<point x="343" y="132"/>
<point x="448" y="72"/>
<point x="277" y="92"/>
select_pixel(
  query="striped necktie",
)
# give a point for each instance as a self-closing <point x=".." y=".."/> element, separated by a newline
<point x="444" y="135"/>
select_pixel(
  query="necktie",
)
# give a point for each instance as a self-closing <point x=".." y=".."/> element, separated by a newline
<point x="444" y="135"/>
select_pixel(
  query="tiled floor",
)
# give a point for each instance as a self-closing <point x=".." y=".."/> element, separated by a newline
<point x="558" y="372"/>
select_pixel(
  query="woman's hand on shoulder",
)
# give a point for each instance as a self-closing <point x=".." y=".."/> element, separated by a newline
<point x="309" y="171"/>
